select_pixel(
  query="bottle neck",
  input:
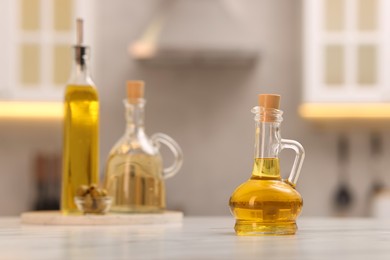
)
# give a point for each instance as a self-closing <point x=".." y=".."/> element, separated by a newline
<point x="135" y="116"/>
<point x="267" y="148"/>
<point x="81" y="72"/>
<point x="267" y="139"/>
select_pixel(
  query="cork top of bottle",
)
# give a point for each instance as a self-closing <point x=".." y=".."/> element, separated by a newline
<point x="269" y="101"/>
<point x="135" y="90"/>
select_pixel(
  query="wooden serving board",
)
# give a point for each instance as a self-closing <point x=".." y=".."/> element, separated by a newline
<point x="56" y="218"/>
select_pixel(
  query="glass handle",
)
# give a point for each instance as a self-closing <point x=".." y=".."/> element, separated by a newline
<point x="300" y="156"/>
<point x="175" y="149"/>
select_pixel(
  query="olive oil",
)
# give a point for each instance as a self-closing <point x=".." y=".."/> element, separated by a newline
<point x="134" y="174"/>
<point x="265" y="203"/>
<point x="135" y="182"/>
<point x="81" y="123"/>
<point x="80" y="165"/>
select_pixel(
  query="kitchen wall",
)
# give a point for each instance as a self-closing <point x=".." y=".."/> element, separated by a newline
<point x="207" y="110"/>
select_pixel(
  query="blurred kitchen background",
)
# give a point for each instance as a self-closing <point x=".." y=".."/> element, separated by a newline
<point x="204" y="62"/>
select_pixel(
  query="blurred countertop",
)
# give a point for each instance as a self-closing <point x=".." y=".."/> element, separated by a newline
<point x="197" y="238"/>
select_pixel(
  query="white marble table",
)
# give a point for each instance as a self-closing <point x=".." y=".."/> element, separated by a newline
<point x="196" y="238"/>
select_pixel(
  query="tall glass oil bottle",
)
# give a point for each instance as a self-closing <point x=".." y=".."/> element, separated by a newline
<point x="80" y="136"/>
<point x="266" y="204"/>
<point x="134" y="174"/>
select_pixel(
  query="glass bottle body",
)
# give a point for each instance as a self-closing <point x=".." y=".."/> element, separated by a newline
<point x="266" y="204"/>
<point x="80" y="134"/>
<point x="134" y="179"/>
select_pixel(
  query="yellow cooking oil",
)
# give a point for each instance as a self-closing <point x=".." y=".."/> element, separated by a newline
<point x="265" y="204"/>
<point x="80" y="151"/>
<point x="135" y="182"/>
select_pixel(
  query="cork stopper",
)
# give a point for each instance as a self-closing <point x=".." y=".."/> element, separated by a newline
<point x="269" y="101"/>
<point x="135" y="90"/>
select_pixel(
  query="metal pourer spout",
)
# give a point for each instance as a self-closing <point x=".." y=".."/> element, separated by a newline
<point x="81" y="51"/>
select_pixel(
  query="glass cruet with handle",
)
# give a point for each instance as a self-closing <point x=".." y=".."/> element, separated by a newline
<point x="134" y="174"/>
<point x="266" y="204"/>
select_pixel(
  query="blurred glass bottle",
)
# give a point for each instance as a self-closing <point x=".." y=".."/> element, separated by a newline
<point x="80" y="136"/>
<point x="134" y="174"/>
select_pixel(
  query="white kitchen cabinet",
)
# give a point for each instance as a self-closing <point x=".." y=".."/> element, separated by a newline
<point x="36" y="40"/>
<point x="346" y="51"/>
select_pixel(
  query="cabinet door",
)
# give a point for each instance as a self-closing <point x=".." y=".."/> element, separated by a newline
<point x="38" y="35"/>
<point x="346" y="51"/>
